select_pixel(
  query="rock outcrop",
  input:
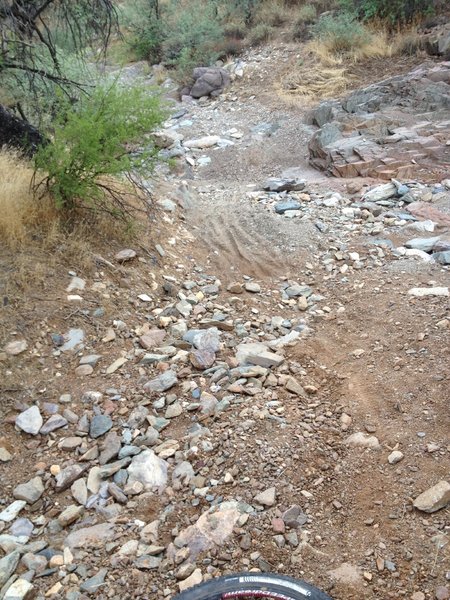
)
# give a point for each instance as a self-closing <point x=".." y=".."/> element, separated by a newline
<point x="389" y="129"/>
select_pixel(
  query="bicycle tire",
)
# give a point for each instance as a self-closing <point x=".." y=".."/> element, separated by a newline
<point x="287" y="588"/>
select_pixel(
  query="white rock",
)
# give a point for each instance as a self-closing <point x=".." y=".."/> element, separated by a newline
<point x="418" y="254"/>
<point x="76" y="283"/>
<point x="5" y="456"/>
<point x="423" y="292"/>
<point x="266" y="498"/>
<point x="16" y="347"/>
<point x="11" y="511"/>
<point x="30" y="420"/>
<point x="265" y="359"/>
<point x="116" y="365"/>
<point x="204" y="142"/>
<point x="125" y="255"/>
<point x="148" y="469"/>
<point x="434" y="498"/>
<point x="395" y="457"/>
<point x="381" y="192"/>
<point x="362" y="440"/>
<point x="286" y="340"/>
<point x="192" y="580"/>
<point x="21" y="589"/>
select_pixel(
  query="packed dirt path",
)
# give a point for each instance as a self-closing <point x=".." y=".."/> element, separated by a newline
<point x="383" y="358"/>
<point x="251" y="390"/>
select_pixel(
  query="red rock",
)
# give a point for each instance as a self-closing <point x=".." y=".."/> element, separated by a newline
<point x="152" y="338"/>
<point x="278" y="525"/>
<point x="202" y="359"/>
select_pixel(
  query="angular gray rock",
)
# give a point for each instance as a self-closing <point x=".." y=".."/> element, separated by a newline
<point x="69" y="475"/>
<point x="8" y="565"/>
<point x="30" y="492"/>
<point x="424" y="244"/>
<point x="162" y="383"/>
<point x="208" y="340"/>
<point x="111" y="447"/>
<point x="100" y="424"/>
<point x="295" y="290"/>
<point x="275" y="184"/>
<point x="89" y="537"/>
<point x="9" y="513"/>
<point x="212" y="529"/>
<point x="294" y="517"/>
<point x="53" y="423"/>
<point x="266" y="359"/>
<point x="245" y="350"/>
<point x="95" y="583"/>
<point x="442" y="258"/>
<point x="286" y="205"/>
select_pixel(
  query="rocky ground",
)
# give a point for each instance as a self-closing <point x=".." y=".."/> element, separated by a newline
<point x="263" y="385"/>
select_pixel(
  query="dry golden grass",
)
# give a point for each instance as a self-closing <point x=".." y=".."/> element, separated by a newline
<point x="36" y="238"/>
<point x="273" y="12"/>
<point x="323" y="73"/>
<point x="20" y="213"/>
<point x="313" y="79"/>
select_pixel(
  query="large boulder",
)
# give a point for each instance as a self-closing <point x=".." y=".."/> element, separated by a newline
<point x="209" y="81"/>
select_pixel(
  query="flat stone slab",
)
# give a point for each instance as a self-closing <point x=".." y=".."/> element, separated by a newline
<point x="282" y="207"/>
<point x="274" y="184"/>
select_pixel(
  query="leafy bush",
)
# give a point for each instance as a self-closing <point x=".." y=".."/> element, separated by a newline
<point x="393" y="11"/>
<point x="89" y="146"/>
<point x="147" y="42"/>
<point x="147" y="27"/>
<point x="259" y="34"/>
<point x="340" y="33"/>
<point x="181" y="35"/>
<point x="192" y="30"/>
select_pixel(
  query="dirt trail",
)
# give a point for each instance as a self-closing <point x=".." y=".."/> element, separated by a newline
<point x="364" y="357"/>
<point x="363" y="514"/>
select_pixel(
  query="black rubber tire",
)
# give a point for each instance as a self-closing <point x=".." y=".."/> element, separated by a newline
<point x="293" y="589"/>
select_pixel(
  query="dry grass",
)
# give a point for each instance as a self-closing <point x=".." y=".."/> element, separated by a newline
<point x="273" y="13"/>
<point x="21" y="215"/>
<point x="36" y="239"/>
<point x="311" y="80"/>
<point x="323" y="73"/>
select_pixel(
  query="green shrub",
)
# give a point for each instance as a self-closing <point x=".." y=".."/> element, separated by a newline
<point x="393" y="11"/>
<point x="89" y="146"/>
<point x="259" y="34"/>
<point x="146" y="42"/>
<point x="193" y="29"/>
<point x="340" y="33"/>
<point x="146" y="25"/>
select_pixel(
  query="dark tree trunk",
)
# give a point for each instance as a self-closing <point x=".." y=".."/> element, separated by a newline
<point x="18" y="133"/>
